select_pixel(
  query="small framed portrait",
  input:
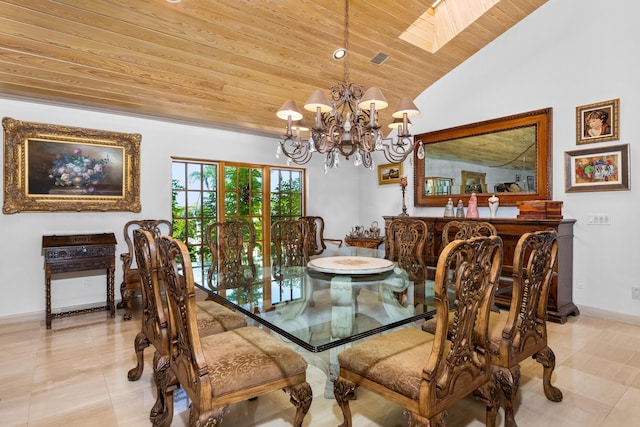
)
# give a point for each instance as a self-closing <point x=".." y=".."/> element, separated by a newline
<point x="597" y="169"/>
<point x="598" y="122"/>
<point x="389" y="173"/>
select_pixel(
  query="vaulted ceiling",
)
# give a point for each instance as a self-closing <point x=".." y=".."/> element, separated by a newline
<point x="230" y="64"/>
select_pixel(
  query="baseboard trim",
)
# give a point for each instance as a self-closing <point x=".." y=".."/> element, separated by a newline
<point x="611" y="315"/>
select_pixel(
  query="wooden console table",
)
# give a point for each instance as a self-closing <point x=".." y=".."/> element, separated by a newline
<point x="560" y="302"/>
<point x="79" y="252"/>
<point x="364" y="242"/>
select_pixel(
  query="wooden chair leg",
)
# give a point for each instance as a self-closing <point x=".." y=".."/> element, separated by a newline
<point x="300" y="396"/>
<point x="344" y="391"/>
<point x="508" y="381"/>
<point x="140" y="343"/>
<point x="123" y="286"/>
<point x="490" y="394"/>
<point x="547" y="359"/>
<point x="161" y="414"/>
<point x="126" y="303"/>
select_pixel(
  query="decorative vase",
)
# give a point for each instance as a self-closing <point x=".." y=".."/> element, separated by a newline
<point x="460" y="209"/>
<point x="448" y="209"/>
<point x="472" y="208"/>
<point x="494" y="203"/>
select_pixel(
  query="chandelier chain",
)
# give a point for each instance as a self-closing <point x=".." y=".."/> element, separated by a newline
<point x="346" y="41"/>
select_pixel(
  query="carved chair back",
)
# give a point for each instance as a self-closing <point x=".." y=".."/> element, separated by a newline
<point x="317" y="241"/>
<point x="406" y="239"/>
<point x="231" y="244"/>
<point x="218" y="370"/>
<point x="427" y="373"/>
<point x="130" y="278"/>
<point x="154" y="324"/>
<point x="290" y="239"/>
<point x="521" y="332"/>
<point x="463" y="230"/>
<point x="154" y="319"/>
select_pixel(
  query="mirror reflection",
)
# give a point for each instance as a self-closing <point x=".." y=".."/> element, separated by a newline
<point x="506" y="156"/>
<point x="497" y="162"/>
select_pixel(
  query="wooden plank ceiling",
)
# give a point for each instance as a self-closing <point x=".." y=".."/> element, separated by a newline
<point x="229" y="64"/>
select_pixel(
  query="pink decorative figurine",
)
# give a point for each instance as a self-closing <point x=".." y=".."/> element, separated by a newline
<point x="472" y="209"/>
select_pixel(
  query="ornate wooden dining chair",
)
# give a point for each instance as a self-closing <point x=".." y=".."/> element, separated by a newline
<point x="231" y="244"/>
<point x="426" y="373"/>
<point x="317" y="241"/>
<point x="461" y="230"/>
<point x="130" y="277"/>
<point x="406" y="239"/>
<point x="290" y="239"/>
<point x="521" y="332"/>
<point x="211" y="318"/>
<point x="219" y="370"/>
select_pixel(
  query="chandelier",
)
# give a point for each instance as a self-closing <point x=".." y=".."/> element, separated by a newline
<point x="347" y="125"/>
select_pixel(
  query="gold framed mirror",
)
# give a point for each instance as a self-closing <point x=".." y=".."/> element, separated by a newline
<point x="508" y="156"/>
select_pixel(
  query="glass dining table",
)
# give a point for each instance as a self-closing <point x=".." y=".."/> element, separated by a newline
<point x="333" y="301"/>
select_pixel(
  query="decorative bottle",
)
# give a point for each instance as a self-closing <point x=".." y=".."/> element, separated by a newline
<point x="448" y="209"/>
<point x="494" y="203"/>
<point x="460" y="210"/>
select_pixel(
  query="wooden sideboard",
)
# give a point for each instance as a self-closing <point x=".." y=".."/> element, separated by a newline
<point x="560" y="303"/>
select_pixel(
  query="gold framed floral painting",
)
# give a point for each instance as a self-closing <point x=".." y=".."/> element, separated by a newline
<point x="598" y="122"/>
<point x="61" y="168"/>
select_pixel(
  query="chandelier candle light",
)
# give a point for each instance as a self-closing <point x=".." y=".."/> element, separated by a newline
<point x="347" y="125"/>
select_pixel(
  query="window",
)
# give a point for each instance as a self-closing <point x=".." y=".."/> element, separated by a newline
<point x="206" y="192"/>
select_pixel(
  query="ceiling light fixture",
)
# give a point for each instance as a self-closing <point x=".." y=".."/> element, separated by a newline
<point x="348" y="124"/>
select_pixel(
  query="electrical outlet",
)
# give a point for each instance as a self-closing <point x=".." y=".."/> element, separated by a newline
<point x="635" y="293"/>
<point x="580" y="284"/>
<point x="598" y="220"/>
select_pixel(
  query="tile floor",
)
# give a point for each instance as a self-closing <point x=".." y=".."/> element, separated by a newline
<point x="76" y="375"/>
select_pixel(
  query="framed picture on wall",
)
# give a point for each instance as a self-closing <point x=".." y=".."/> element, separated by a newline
<point x="597" y="169"/>
<point x="598" y="122"/>
<point x="389" y="173"/>
<point x="61" y="168"/>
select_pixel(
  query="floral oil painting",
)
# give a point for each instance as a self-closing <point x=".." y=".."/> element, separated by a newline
<point x="54" y="168"/>
<point x="71" y="168"/>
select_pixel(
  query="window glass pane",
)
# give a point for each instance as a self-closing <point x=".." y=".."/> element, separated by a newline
<point x="194" y="174"/>
<point x="209" y="177"/>
<point x="230" y="178"/>
<point x="256" y="180"/>
<point x="179" y="229"/>
<point x="209" y="204"/>
<point x="179" y="204"/>
<point x="194" y="199"/>
<point x="178" y="174"/>
<point x="230" y="204"/>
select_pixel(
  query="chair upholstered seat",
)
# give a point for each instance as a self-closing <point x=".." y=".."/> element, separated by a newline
<point x="248" y="358"/>
<point x="396" y="365"/>
<point x="213" y="318"/>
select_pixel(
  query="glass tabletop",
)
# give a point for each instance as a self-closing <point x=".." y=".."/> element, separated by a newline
<point x="319" y="310"/>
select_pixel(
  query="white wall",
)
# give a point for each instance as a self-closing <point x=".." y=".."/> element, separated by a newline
<point x="21" y="260"/>
<point x="566" y="54"/>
